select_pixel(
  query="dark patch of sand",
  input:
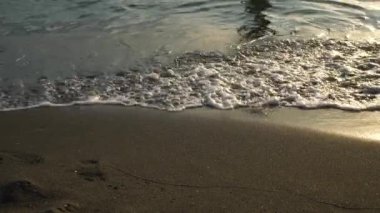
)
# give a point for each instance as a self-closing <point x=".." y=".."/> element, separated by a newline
<point x="19" y="192"/>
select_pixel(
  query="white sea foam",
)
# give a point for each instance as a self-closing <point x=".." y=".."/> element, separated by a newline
<point x="303" y="73"/>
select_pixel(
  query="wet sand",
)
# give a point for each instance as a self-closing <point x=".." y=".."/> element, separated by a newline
<point x="119" y="159"/>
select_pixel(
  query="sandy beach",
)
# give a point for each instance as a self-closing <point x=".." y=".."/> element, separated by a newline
<point x="119" y="159"/>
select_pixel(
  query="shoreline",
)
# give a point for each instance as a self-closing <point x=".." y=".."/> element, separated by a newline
<point x="128" y="159"/>
<point x="368" y="119"/>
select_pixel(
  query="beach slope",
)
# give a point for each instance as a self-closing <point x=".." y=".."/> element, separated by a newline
<point x="118" y="159"/>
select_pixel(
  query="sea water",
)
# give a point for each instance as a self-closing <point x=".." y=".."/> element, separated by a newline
<point x="178" y="54"/>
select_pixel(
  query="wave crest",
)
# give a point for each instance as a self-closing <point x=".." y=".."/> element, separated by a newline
<point x="300" y="73"/>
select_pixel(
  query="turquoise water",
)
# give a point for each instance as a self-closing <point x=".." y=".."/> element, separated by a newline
<point x="178" y="54"/>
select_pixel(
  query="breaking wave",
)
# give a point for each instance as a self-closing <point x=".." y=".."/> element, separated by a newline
<point x="310" y="73"/>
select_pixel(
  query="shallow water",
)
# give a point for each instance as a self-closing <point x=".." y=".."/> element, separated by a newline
<point x="178" y="54"/>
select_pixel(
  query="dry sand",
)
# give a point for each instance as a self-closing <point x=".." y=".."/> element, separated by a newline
<point x="118" y="159"/>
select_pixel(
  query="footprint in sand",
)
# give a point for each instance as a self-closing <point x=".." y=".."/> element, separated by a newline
<point x="22" y="157"/>
<point x="20" y="192"/>
<point x="67" y="207"/>
<point x="90" y="170"/>
<point x="24" y="192"/>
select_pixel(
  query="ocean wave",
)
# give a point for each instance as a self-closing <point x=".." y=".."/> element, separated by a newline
<point x="310" y="73"/>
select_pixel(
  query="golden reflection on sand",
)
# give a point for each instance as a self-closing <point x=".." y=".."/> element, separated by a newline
<point x="364" y="125"/>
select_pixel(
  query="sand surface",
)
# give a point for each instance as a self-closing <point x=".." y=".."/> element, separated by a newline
<point x="118" y="159"/>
